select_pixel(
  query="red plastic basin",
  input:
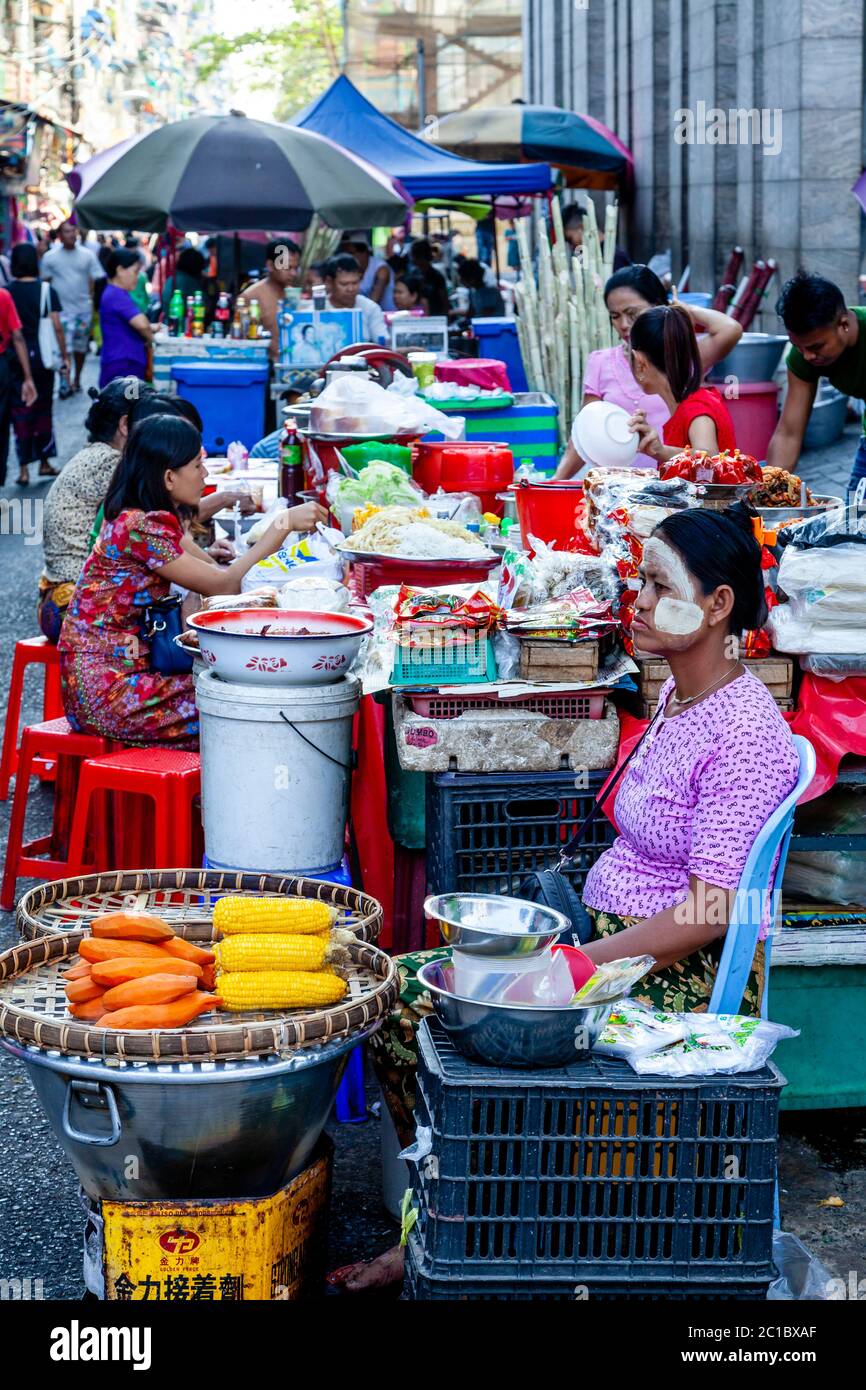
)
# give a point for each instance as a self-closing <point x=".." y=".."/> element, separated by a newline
<point x="754" y="412"/>
<point x="479" y="467"/>
<point x="551" y="512"/>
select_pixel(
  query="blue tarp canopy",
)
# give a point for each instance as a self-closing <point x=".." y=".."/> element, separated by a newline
<point x="344" y="115"/>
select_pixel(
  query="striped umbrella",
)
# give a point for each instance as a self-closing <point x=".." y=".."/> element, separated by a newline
<point x="231" y="173"/>
<point x="589" y="154"/>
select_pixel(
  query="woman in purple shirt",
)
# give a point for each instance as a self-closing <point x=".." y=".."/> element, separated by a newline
<point x="126" y="331"/>
<point x="717" y="761"/>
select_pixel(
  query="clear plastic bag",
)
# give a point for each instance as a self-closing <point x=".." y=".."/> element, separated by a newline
<point x="833" y="666"/>
<point x="349" y="405"/>
<point x="802" y="1277"/>
<point x="634" y="1029"/>
<point x="791" y="632"/>
<point x="716" y="1045"/>
<point x="613" y="979"/>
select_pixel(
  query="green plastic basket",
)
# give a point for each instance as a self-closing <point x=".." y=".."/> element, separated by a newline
<point x="359" y="455"/>
<point x="450" y="656"/>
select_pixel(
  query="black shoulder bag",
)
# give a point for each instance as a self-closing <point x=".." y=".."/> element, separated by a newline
<point x="550" y="887"/>
<point x="161" y="622"/>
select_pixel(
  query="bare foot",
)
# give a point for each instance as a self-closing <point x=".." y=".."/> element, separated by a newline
<point x="370" y="1276"/>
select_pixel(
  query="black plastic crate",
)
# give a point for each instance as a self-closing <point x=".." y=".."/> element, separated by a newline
<point x="487" y="831"/>
<point x="420" y="1285"/>
<point x="592" y="1173"/>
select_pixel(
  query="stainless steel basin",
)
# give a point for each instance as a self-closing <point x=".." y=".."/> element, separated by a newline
<point x="141" y="1131"/>
<point x="483" y="924"/>
<point x="755" y="358"/>
<point x="509" y="1035"/>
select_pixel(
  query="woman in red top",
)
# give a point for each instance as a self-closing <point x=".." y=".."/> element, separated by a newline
<point x="665" y="362"/>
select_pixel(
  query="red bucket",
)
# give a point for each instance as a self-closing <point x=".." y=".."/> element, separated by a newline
<point x="479" y="467"/>
<point x="552" y="513"/>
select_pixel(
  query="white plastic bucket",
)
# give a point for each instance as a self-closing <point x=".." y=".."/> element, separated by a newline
<point x="275" y="774"/>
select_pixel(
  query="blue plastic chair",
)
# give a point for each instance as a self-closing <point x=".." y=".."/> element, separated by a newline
<point x="741" y="937"/>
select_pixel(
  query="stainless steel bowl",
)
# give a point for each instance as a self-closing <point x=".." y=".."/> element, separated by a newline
<point x="509" y="1035"/>
<point x="755" y="358"/>
<point x="775" y="516"/>
<point x="482" y="924"/>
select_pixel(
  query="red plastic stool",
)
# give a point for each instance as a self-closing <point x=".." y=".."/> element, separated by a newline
<point x="170" y="777"/>
<point x="30" y="651"/>
<point x="45" y="857"/>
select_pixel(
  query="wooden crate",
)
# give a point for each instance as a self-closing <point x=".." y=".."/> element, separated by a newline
<point x="558" y="661"/>
<point x="776" y="672"/>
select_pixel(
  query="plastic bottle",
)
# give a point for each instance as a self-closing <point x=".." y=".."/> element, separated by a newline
<point x="198" y="315"/>
<point x="255" y="319"/>
<point x="238" y="320"/>
<point x="188" y="316"/>
<point x="175" y="314"/>
<point x="291" y="472"/>
<point x="222" y="316"/>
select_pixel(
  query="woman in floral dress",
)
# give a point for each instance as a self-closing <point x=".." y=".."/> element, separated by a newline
<point x="109" y="687"/>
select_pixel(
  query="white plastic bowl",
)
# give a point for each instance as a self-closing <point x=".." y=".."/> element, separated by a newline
<point x="602" y="435"/>
<point x="235" y="647"/>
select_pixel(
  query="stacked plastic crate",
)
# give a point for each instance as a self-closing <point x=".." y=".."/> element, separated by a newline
<point x="589" y="1181"/>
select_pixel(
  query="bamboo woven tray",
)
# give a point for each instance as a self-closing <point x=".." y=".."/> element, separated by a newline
<point x="182" y="897"/>
<point x="33" y="1010"/>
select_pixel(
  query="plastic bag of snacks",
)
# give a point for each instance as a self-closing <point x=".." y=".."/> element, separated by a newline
<point x="716" y="1045"/>
<point x="634" y="1029"/>
<point x="613" y="979"/>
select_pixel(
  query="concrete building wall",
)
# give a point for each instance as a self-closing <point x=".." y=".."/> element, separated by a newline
<point x="634" y="63"/>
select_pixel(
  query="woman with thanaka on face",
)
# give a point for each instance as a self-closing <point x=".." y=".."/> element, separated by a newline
<point x="690" y="806"/>
<point x="609" y="376"/>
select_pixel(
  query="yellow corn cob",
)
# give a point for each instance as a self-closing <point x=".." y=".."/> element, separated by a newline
<point x="273" y="952"/>
<point x="279" y="989"/>
<point x="295" y="916"/>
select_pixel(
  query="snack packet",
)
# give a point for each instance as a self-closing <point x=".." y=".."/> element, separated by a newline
<point x="634" y="1030"/>
<point x="613" y="979"/>
<point x="716" y="1045"/>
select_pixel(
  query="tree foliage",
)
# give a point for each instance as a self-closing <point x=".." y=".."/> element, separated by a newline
<point x="296" y="61"/>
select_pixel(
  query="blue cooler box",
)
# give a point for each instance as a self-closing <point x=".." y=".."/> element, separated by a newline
<point x="229" y="396"/>
<point x="498" y="339"/>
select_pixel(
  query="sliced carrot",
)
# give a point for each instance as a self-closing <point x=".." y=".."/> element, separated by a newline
<point x="109" y="973"/>
<point x="174" y="1015"/>
<point x="79" y="991"/>
<point x="185" y="950"/>
<point x="78" y="971"/>
<point x="150" y="989"/>
<point x="89" y="1012"/>
<point x="131" y="926"/>
<point x="95" y="949"/>
<point x="208" y="977"/>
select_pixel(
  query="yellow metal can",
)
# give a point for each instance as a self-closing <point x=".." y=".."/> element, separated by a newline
<point x="265" y="1249"/>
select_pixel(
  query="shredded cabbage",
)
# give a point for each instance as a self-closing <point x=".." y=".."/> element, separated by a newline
<point x="379" y="483"/>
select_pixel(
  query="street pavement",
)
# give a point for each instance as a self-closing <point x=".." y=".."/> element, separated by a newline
<point x="823" y="1154"/>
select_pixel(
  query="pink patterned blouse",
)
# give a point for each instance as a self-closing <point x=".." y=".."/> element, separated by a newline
<point x="693" y="800"/>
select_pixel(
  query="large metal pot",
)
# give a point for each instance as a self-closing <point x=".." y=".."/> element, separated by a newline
<point x="755" y="358"/>
<point x="144" y="1130"/>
